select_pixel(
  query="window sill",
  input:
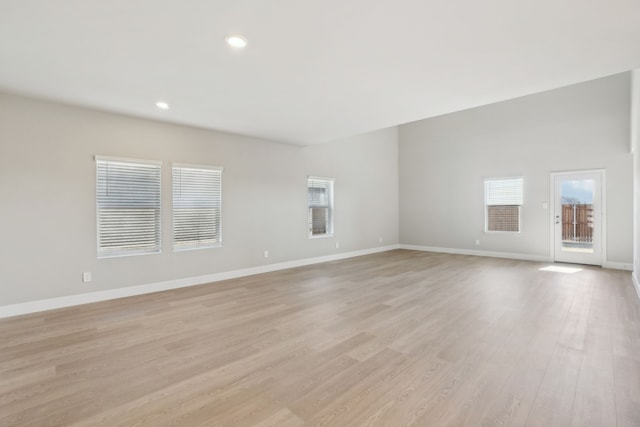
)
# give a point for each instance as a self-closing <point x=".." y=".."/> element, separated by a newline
<point x="126" y="254"/>
<point x="196" y="248"/>
<point x="503" y="232"/>
<point x="320" y="236"/>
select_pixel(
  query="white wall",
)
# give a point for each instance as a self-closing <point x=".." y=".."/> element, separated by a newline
<point x="444" y="160"/>
<point x="47" y="194"/>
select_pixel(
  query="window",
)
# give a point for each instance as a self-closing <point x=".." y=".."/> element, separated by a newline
<point x="128" y="206"/>
<point x="503" y="198"/>
<point x="197" y="207"/>
<point x="320" y="201"/>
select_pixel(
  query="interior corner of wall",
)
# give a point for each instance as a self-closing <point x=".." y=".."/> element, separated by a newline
<point x="635" y="111"/>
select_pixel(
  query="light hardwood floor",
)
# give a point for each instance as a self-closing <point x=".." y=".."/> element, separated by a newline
<point x="393" y="339"/>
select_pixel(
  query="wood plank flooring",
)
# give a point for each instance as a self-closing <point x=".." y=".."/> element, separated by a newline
<point x="401" y="338"/>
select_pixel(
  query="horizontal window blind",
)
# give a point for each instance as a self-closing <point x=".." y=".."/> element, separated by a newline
<point x="503" y="200"/>
<point x="197" y="207"/>
<point x="504" y="191"/>
<point x="320" y="202"/>
<point x="128" y="207"/>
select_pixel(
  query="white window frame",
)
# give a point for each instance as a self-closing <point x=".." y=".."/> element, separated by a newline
<point x="102" y="250"/>
<point x="509" y="201"/>
<point x="330" y="207"/>
<point x="216" y="203"/>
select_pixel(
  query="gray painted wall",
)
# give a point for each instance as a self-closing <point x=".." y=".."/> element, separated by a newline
<point x="419" y="184"/>
<point x="47" y="191"/>
<point x="635" y="141"/>
<point x="444" y="160"/>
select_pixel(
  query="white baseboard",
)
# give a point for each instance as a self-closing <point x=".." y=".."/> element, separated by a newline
<point x="636" y="282"/>
<point x="508" y="255"/>
<point x="78" y="299"/>
<point x="617" y="265"/>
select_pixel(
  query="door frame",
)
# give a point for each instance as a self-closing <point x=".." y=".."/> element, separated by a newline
<point x="603" y="210"/>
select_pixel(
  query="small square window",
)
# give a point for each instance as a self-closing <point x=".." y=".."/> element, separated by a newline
<point x="503" y="198"/>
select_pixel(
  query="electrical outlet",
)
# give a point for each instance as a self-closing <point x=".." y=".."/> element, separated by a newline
<point x="266" y="254"/>
<point x="337" y="245"/>
<point x="380" y="239"/>
<point x="477" y="242"/>
<point x="86" y="276"/>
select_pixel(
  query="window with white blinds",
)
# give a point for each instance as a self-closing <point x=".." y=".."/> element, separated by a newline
<point x="320" y="203"/>
<point x="128" y="206"/>
<point x="503" y="198"/>
<point x="197" y="207"/>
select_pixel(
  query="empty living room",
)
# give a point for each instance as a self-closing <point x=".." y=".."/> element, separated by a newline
<point x="296" y="214"/>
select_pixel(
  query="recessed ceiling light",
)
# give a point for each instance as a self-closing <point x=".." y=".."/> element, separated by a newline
<point x="162" y="105"/>
<point x="236" y="41"/>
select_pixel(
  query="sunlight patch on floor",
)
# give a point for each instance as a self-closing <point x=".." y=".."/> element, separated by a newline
<point x="559" y="269"/>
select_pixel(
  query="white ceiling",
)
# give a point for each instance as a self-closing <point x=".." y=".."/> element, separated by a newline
<point x="314" y="70"/>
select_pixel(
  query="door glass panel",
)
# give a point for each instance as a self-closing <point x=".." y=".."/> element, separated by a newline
<point x="577" y="215"/>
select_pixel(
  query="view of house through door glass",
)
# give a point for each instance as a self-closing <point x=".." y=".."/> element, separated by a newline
<point x="578" y="217"/>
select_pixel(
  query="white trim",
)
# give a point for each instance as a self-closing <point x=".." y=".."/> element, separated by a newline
<point x="636" y="283"/>
<point x="635" y="111"/>
<point x="580" y="171"/>
<point x="330" y="207"/>
<point x="128" y="160"/>
<point x="603" y="217"/>
<point x="212" y="170"/>
<point x="603" y="211"/>
<point x="192" y="166"/>
<point x="319" y="178"/>
<point x="486" y="204"/>
<point x="617" y="265"/>
<point x="321" y="236"/>
<point x="552" y="216"/>
<point x="507" y="255"/>
<point x="127" y="253"/>
<point x="474" y="252"/>
<point x="78" y="299"/>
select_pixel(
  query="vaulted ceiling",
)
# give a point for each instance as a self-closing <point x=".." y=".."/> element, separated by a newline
<point x="313" y="71"/>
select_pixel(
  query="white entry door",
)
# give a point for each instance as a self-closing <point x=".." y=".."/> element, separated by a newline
<point x="577" y="217"/>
